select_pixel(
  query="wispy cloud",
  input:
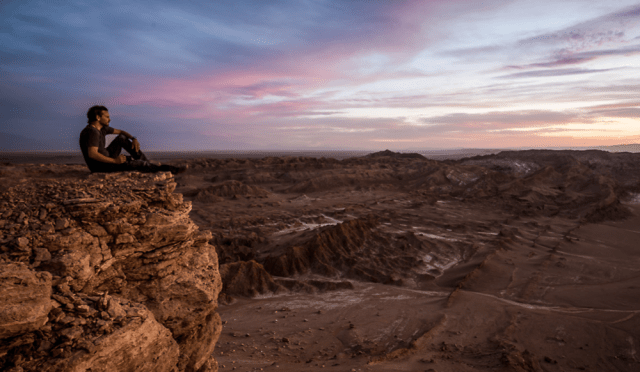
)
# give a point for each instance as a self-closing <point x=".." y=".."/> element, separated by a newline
<point x="603" y="36"/>
<point x="552" y="73"/>
<point x="610" y="35"/>
<point x="492" y="121"/>
<point x="577" y="58"/>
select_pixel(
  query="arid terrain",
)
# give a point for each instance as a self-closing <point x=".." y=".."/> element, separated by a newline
<point x="518" y="261"/>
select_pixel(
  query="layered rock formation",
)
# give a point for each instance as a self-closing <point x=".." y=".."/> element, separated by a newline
<point x="107" y="273"/>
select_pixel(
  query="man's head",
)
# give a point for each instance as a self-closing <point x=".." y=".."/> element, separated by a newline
<point x="98" y="113"/>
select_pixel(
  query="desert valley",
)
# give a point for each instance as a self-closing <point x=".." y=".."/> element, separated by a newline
<point x="516" y="261"/>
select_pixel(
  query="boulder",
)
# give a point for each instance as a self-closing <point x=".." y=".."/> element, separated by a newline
<point x="142" y="345"/>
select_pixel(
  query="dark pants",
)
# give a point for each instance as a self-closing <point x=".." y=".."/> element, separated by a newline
<point x="136" y="161"/>
<point x="122" y="142"/>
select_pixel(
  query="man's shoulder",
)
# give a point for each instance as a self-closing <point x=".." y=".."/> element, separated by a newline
<point x="89" y="129"/>
<point x="89" y="136"/>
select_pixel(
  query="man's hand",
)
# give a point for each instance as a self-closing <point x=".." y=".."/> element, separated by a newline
<point x="120" y="159"/>
<point x="136" y="145"/>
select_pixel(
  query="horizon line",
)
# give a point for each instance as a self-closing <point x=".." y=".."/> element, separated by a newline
<point x="337" y="150"/>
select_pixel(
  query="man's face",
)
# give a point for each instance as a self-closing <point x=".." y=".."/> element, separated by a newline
<point x="104" y="118"/>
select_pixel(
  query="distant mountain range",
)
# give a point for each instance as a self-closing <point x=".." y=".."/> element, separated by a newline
<point x="633" y="147"/>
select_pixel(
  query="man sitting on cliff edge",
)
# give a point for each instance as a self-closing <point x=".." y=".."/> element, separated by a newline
<point x="109" y="159"/>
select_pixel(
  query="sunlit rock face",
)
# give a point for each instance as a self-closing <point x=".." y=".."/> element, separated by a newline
<point x="107" y="273"/>
<point x="26" y="299"/>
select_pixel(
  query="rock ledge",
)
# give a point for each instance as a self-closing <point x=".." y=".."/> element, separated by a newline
<point x="105" y="272"/>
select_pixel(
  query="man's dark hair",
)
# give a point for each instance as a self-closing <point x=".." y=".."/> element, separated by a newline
<point x="95" y="111"/>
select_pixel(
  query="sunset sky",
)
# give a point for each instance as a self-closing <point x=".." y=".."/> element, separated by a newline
<point x="322" y="75"/>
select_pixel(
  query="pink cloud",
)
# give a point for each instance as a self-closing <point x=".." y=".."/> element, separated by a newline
<point x="501" y="120"/>
<point x="399" y="33"/>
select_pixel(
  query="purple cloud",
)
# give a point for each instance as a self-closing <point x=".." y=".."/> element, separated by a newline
<point x="562" y="59"/>
<point x="553" y="73"/>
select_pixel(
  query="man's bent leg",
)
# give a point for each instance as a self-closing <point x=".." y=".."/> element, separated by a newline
<point x="122" y="142"/>
<point x="141" y="166"/>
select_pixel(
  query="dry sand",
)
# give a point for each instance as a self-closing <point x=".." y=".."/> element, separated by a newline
<point x="521" y="261"/>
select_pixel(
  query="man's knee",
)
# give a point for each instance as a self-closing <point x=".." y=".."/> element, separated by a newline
<point x="120" y="141"/>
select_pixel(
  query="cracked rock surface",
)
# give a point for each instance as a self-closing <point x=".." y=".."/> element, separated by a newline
<point x="105" y="272"/>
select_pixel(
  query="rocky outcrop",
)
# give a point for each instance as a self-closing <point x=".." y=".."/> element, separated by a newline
<point x="105" y="272"/>
<point x="327" y="252"/>
<point x="357" y="249"/>
<point x="26" y="299"/>
<point x="247" y="278"/>
<point x="397" y="155"/>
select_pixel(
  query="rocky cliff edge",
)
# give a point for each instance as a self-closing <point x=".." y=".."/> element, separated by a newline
<point x="105" y="273"/>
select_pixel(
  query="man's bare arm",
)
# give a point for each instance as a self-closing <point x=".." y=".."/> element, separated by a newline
<point x="95" y="155"/>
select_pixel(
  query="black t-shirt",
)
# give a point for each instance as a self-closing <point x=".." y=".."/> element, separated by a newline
<point x="90" y="137"/>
